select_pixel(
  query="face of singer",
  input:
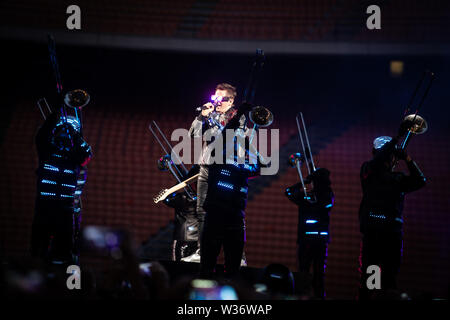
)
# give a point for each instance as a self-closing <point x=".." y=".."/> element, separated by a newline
<point x="224" y="105"/>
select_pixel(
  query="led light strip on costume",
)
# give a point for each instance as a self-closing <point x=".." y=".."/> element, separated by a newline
<point x="317" y="233"/>
<point x="378" y="216"/>
<point x="225" y="185"/>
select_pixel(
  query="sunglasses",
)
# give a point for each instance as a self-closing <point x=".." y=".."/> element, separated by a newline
<point x="217" y="99"/>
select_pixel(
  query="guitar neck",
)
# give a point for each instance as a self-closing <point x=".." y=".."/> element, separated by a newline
<point x="182" y="184"/>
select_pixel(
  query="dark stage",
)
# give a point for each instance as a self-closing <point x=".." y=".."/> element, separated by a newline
<point x="159" y="62"/>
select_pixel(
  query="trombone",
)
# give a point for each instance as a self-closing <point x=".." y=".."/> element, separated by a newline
<point x="261" y="117"/>
<point x="166" y="163"/>
<point x="43" y="101"/>
<point x="75" y="99"/>
<point x="418" y="125"/>
<point x="297" y="159"/>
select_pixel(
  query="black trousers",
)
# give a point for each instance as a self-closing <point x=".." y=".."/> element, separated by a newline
<point x="213" y="239"/>
<point x="313" y="252"/>
<point x="383" y="249"/>
<point x="55" y="232"/>
<point x="220" y="226"/>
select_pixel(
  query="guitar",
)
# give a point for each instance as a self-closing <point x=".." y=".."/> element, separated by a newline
<point x="163" y="194"/>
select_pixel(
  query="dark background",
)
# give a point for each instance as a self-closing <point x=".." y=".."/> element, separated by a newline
<point x="347" y="99"/>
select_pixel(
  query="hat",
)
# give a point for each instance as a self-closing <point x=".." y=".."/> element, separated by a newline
<point x="73" y="121"/>
<point x="379" y="142"/>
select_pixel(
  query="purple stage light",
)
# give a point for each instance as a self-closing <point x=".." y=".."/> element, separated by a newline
<point x="216" y="98"/>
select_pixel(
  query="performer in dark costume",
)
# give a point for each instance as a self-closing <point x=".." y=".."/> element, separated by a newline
<point x="381" y="208"/>
<point x="313" y="225"/>
<point x="186" y="232"/>
<point x="61" y="175"/>
<point x="222" y="188"/>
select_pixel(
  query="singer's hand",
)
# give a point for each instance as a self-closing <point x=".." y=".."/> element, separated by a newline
<point x="210" y="108"/>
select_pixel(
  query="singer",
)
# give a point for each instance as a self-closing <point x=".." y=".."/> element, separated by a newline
<point x="222" y="188"/>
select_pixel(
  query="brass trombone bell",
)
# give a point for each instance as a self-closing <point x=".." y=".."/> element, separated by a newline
<point x="76" y="99"/>
<point x="261" y="116"/>
<point x="419" y="125"/>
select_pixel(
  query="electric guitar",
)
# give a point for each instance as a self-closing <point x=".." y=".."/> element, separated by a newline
<point x="163" y="194"/>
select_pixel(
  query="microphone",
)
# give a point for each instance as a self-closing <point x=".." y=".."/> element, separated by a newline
<point x="205" y="107"/>
<point x="201" y="108"/>
<point x="215" y="100"/>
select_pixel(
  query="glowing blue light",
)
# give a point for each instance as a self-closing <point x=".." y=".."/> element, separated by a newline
<point x="70" y="120"/>
<point x="68" y="171"/>
<point x="68" y="185"/>
<point x="57" y="155"/>
<point x="48" y="181"/>
<point x="78" y="192"/>
<point x="379" y="142"/>
<point x="272" y="275"/>
<point x="225" y="185"/>
<point x="311" y="232"/>
<point x="50" y="167"/>
<point x="311" y="221"/>
<point x="228" y="293"/>
<point x="329" y="205"/>
<point x="66" y="196"/>
<point x="225" y="172"/>
<point x="324" y="233"/>
<point x="48" y="194"/>
<point x="378" y="216"/>
<point x="245" y="166"/>
<point x="77" y="209"/>
<point x="81" y="182"/>
<point x="244" y="189"/>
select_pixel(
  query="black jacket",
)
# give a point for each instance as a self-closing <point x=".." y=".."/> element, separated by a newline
<point x="313" y="217"/>
<point x="383" y="191"/>
<point x="61" y="174"/>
